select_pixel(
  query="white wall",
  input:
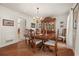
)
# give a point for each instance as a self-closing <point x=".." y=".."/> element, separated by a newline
<point x="61" y="18"/>
<point x="10" y="32"/>
<point x="28" y="23"/>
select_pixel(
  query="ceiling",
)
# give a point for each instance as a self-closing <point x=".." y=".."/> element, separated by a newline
<point x="45" y="9"/>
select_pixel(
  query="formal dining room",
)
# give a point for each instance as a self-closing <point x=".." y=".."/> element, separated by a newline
<point x="39" y="29"/>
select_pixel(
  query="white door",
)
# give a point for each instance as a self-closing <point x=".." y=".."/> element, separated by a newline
<point x="21" y="28"/>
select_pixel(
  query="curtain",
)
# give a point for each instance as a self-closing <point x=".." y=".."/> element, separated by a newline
<point x="69" y="34"/>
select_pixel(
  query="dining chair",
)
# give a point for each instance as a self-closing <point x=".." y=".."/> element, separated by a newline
<point x="27" y="36"/>
<point x="51" y="44"/>
<point x="36" y="41"/>
<point x="63" y="35"/>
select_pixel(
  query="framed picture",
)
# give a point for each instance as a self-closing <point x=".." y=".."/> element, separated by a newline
<point x="33" y="25"/>
<point x="61" y="22"/>
<point x="7" y="22"/>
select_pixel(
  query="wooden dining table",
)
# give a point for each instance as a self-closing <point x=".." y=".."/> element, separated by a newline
<point x="44" y="36"/>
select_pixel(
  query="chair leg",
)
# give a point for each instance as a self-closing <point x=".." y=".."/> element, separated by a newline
<point x="46" y="48"/>
<point x="31" y="43"/>
<point x="56" y="50"/>
<point x="35" y="48"/>
<point x="42" y="46"/>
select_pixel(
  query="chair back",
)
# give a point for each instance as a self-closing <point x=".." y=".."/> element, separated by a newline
<point x="64" y="32"/>
<point x="26" y="33"/>
<point x="56" y="48"/>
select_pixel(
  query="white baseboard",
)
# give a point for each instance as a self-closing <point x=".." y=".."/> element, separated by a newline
<point x="6" y="44"/>
<point x="76" y="53"/>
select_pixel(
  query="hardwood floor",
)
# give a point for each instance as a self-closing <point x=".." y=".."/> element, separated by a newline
<point x="21" y="49"/>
